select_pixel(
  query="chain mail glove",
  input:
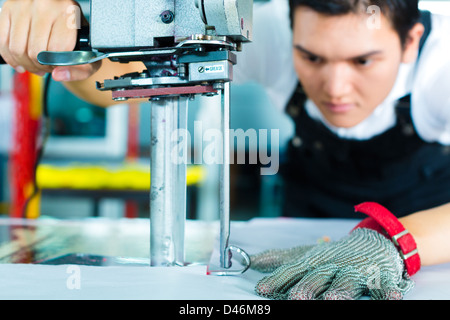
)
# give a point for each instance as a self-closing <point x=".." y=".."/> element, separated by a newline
<point x="362" y="263"/>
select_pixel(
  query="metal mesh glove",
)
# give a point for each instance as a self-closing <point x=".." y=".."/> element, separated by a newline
<point x="362" y="263"/>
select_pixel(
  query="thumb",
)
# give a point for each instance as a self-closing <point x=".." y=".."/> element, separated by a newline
<point x="269" y="260"/>
<point x="75" y="73"/>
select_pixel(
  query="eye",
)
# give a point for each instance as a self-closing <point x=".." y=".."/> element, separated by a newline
<point x="312" y="59"/>
<point x="363" y="62"/>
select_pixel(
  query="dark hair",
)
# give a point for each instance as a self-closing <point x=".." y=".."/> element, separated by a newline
<point x="403" y="14"/>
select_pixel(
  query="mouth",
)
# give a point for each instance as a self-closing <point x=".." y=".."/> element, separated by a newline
<point x="339" y="108"/>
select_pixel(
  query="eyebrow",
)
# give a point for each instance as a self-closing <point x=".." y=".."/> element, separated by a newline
<point x="366" y="55"/>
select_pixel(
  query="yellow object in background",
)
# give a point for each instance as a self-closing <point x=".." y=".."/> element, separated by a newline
<point x="36" y="84"/>
<point x="33" y="206"/>
<point x="90" y="177"/>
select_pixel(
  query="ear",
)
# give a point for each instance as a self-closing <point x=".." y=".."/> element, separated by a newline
<point x="411" y="47"/>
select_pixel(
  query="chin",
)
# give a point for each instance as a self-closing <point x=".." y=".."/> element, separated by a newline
<point x="343" y="122"/>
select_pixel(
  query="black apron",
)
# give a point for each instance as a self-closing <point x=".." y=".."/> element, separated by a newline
<point x="326" y="176"/>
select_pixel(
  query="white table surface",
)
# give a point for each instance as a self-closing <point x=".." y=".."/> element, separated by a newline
<point x="32" y="281"/>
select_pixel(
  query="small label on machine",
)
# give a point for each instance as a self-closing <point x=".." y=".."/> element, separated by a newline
<point x="214" y="69"/>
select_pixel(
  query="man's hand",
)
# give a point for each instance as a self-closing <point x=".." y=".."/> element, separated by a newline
<point x="363" y="263"/>
<point x="28" y="27"/>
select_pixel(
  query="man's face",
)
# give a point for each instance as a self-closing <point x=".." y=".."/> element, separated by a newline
<point x="346" y="67"/>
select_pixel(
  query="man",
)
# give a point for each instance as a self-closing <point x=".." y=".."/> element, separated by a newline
<point x="372" y="124"/>
<point x="352" y="142"/>
<point x="347" y="148"/>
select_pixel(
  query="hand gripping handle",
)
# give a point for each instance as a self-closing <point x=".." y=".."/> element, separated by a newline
<point x="83" y="42"/>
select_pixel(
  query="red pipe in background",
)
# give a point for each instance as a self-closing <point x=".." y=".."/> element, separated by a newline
<point x="131" y="207"/>
<point x="26" y="126"/>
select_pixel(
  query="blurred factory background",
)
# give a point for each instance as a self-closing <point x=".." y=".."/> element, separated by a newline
<point x="96" y="160"/>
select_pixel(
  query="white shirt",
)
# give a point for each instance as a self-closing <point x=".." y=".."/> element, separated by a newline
<point x="268" y="61"/>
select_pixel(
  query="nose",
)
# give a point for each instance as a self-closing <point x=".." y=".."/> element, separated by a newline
<point x="336" y="80"/>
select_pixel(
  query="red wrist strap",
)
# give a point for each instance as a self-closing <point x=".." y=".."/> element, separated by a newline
<point x="381" y="219"/>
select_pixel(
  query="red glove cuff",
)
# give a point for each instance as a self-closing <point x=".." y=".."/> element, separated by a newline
<point x="383" y="221"/>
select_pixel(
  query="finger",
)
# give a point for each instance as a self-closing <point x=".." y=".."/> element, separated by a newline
<point x="348" y="284"/>
<point x="386" y="293"/>
<point x="38" y="39"/>
<point x="388" y="290"/>
<point x="267" y="261"/>
<point x="5" y="26"/>
<point x="62" y="36"/>
<point x="75" y="73"/>
<point x="270" y="260"/>
<point x="311" y="286"/>
<point x="20" y="28"/>
<point x="278" y="284"/>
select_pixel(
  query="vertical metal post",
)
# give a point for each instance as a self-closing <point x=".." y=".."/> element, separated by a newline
<point x="225" y="249"/>
<point x="168" y="183"/>
<point x="224" y="179"/>
<point x="180" y="180"/>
